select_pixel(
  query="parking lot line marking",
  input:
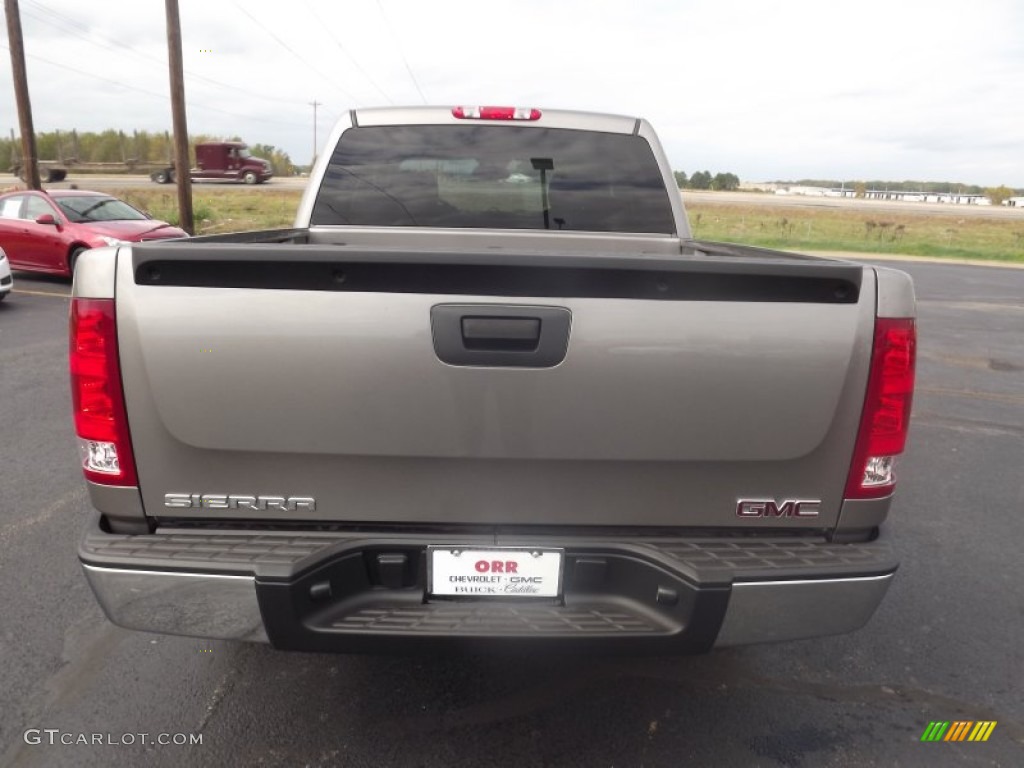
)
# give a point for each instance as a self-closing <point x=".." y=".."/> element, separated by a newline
<point x="42" y="293"/>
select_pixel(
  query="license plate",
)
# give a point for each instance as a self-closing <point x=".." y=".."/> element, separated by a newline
<point x="495" y="572"/>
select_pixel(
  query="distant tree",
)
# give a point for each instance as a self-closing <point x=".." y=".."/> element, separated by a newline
<point x="278" y="158"/>
<point x="680" y="178"/>
<point x="725" y="181"/>
<point x="701" y="180"/>
<point x="860" y="189"/>
<point x="46" y="146"/>
<point x="107" y="148"/>
<point x="999" y="195"/>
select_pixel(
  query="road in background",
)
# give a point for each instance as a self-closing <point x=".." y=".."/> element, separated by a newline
<point x="103" y="183"/>
<point x="125" y="181"/>
<point x="945" y="644"/>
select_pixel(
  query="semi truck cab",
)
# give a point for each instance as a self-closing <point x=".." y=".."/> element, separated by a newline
<point x="227" y="160"/>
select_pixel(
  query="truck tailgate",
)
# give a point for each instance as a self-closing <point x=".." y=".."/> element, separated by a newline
<point x="316" y="372"/>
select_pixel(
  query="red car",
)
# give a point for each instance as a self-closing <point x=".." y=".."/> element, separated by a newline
<point x="45" y="231"/>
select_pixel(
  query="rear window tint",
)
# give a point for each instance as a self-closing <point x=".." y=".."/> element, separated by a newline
<point x="495" y="177"/>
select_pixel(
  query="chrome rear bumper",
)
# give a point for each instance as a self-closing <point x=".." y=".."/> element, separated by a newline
<point x="771" y="611"/>
<point x="268" y="586"/>
<point x="191" y="604"/>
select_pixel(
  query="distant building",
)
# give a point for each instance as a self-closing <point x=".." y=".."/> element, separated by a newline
<point x="950" y="198"/>
<point x="954" y="198"/>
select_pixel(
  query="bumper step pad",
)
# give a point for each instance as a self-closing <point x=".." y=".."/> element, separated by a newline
<point x="277" y="554"/>
<point x="498" y="620"/>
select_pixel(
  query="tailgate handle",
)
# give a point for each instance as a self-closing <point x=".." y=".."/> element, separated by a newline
<point x="496" y="335"/>
<point x="508" y="333"/>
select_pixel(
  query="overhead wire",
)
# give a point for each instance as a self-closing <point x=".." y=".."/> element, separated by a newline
<point x="290" y="50"/>
<point x="61" y="23"/>
<point x="398" y="44"/>
<point x="327" y="28"/>
<point x="161" y="96"/>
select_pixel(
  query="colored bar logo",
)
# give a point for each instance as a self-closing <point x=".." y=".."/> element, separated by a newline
<point x="958" y="730"/>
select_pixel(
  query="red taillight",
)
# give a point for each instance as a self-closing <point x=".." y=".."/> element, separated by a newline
<point x="496" y="113"/>
<point x="96" y="394"/>
<point x="886" y="417"/>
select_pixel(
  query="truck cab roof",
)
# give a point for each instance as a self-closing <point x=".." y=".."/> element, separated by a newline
<point x="547" y="118"/>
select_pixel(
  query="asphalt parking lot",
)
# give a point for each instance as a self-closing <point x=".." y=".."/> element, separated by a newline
<point x="945" y="644"/>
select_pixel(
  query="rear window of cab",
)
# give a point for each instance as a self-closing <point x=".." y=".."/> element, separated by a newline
<point x="494" y="177"/>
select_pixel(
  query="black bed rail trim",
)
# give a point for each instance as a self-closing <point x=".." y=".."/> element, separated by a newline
<point x="344" y="269"/>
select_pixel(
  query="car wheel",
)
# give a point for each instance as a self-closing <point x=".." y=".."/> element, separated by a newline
<point x="73" y="258"/>
<point x="161" y="177"/>
<point x="250" y="178"/>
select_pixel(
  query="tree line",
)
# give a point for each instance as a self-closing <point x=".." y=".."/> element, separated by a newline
<point x="139" y="147"/>
<point x="704" y="180"/>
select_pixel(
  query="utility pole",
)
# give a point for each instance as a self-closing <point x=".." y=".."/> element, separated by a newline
<point x="181" y="160"/>
<point x="314" y="104"/>
<point x="30" y="160"/>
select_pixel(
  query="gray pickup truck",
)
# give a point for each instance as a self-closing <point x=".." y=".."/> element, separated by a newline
<point x="488" y="394"/>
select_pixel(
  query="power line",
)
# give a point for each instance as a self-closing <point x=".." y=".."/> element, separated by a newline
<point x="79" y="71"/>
<point x="69" y="26"/>
<point x="327" y="28"/>
<point x="290" y="50"/>
<point x="69" y="21"/>
<point x="161" y="96"/>
<point x="398" y="44"/>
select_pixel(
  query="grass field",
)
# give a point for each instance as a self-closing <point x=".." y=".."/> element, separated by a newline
<point x="220" y="208"/>
<point x="235" y="209"/>
<point x="836" y="229"/>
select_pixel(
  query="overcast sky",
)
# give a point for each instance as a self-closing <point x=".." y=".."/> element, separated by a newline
<point x="765" y="89"/>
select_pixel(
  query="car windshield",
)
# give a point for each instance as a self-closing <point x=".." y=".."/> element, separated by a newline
<point x="501" y="177"/>
<point x="243" y="152"/>
<point x="85" y="208"/>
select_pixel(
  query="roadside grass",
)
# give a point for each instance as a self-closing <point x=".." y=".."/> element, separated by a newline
<point x="222" y="208"/>
<point x="831" y="229"/>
